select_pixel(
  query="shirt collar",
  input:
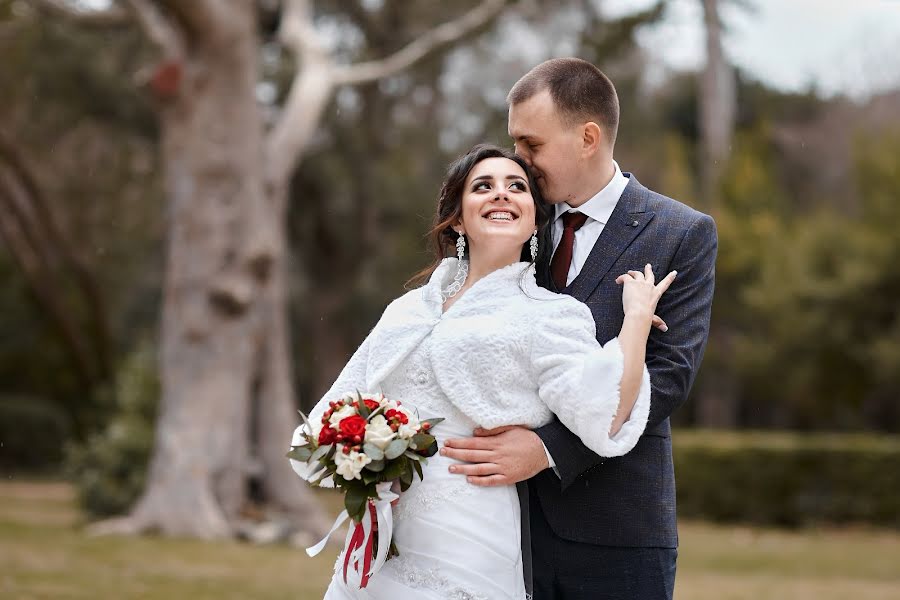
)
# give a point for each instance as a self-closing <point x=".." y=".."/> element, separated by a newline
<point x="602" y="204"/>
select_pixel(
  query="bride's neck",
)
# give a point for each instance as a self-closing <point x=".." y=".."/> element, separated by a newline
<point x="481" y="265"/>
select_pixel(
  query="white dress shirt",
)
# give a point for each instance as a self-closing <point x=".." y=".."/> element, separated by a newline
<point x="598" y="209"/>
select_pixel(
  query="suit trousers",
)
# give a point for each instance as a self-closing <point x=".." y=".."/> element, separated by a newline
<point x="567" y="570"/>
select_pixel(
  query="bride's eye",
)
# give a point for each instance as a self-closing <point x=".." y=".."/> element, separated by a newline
<point x="481" y="185"/>
<point x="519" y="185"/>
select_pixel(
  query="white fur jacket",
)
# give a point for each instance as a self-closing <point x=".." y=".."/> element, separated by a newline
<point x="507" y="352"/>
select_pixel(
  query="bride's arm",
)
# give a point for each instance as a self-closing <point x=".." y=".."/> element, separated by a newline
<point x="600" y="393"/>
<point x="640" y="295"/>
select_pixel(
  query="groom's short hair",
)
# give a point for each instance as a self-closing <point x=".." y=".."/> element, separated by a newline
<point x="580" y="91"/>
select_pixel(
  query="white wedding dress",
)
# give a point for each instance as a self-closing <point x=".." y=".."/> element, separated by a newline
<point x="456" y="541"/>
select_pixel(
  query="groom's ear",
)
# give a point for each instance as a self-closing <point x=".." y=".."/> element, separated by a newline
<point x="592" y="139"/>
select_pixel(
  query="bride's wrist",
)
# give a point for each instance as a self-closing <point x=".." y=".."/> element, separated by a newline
<point x="638" y="315"/>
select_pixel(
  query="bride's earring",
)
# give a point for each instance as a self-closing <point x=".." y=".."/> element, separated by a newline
<point x="534" y="245"/>
<point x="462" y="268"/>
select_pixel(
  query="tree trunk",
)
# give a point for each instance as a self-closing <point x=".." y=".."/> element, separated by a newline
<point x="717" y="105"/>
<point x="717" y="398"/>
<point x="213" y="304"/>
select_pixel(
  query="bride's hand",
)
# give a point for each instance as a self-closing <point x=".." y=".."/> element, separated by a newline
<point x="641" y="293"/>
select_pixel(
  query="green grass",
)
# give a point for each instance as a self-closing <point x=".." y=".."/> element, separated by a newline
<point x="45" y="554"/>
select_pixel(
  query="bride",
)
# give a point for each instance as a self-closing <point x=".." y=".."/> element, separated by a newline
<point x="482" y="345"/>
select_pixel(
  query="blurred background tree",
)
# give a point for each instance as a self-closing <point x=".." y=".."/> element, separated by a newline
<point x="804" y="189"/>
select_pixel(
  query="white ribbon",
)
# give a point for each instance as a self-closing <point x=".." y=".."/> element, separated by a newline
<point x="385" y="523"/>
<point x="313" y="550"/>
<point x="385" y="519"/>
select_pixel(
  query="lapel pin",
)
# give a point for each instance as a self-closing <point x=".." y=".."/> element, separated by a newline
<point x="634" y="223"/>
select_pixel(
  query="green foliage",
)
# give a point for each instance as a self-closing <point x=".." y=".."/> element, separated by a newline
<point x="32" y="434"/>
<point x="109" y="469"/>
<point x="809" y="301"/>
<point x="788" y="479"/>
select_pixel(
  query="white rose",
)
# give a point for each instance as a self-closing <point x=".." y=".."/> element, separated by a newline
<point x="350" y="465"/>
<point x="343" y="413"/>
<point x="378" y="432"/>
<point x="407" y="431"/>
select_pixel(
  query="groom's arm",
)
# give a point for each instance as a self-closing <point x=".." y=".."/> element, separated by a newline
<point x="672" y="357"/>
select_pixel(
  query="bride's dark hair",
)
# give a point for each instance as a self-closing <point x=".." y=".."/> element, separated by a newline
<point x="442" y="237"/>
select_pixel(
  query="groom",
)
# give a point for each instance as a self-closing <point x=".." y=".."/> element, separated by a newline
<point x="601" y="528"/>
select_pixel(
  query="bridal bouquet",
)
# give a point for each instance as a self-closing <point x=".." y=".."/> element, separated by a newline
<point x="363" y="445"/>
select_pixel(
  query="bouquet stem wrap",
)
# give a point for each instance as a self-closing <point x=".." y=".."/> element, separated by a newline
<point x="358" y="563"/>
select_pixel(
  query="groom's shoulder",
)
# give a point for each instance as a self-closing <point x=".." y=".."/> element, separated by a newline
<point x="671" y="208"/>
<point x="671" y="214"/>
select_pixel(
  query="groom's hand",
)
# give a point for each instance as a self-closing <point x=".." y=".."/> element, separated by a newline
<point x="501" y="456"/>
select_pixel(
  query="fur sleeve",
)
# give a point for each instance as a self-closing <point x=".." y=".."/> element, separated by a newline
<point x="578" y="379"/>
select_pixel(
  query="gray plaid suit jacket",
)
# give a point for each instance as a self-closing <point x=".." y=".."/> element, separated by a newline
<point x="630" y="500"/>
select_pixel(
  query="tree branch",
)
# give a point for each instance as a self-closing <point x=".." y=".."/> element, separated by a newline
<point x="157" y="28"/>
<point x="437" y="38"/>
<point x="39" y="229"/>
<point x="114" y="16"/>
<point x="309" y="93"/>
<point x="42" y="288"/>
<point x="202" y="19"/>
<point x="317" y="76"/>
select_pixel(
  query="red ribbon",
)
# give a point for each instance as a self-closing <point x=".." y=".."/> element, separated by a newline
<point x="367" y="561"/>
<point x="356" y="541"/>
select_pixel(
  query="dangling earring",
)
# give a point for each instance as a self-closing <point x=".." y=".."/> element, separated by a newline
<point x="462" y="268"/>
<point x="534" y="246"/>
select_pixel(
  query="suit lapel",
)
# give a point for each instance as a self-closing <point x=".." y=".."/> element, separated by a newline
<point x="626" y="222"/>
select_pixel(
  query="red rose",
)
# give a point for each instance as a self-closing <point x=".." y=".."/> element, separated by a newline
<point x="371" y="404"/>
<point x="327" y="436"/>
<point x="403" y="418"/>
<point x="353" y="425"/>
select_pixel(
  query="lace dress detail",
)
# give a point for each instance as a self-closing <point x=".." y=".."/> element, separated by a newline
<point x="419" y="577"/>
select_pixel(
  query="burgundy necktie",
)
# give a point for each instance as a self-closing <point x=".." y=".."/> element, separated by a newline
<point x="562" y="259"/>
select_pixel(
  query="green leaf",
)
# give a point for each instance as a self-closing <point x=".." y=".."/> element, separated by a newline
<point x="395" y="449"/>
<point x="393" y="470"/>
<point x="376" y="466"/>
<point x="420" y="441"/>
<point x="355" y="501"/>
<point x="373" y="451"/>
<point x="363" y="409"/>
<point x="301" y="453"/>
<point x="321" y="452"/>
<point x="305" y="421"/>
<point x="406" y="475"/>
<point x="430" y="450"/>
<point x="418" y="467"/>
